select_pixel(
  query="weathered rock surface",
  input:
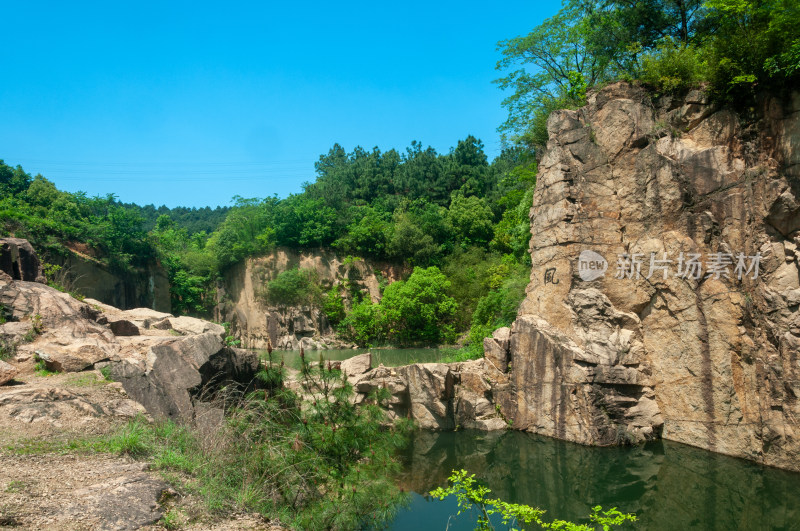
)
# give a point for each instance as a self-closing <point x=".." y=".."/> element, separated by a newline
<point x="168" y="364"/>
<point x="605" y="351"/>
<point x="7" y="372"/>
<point x="80" y="492"/>
<point x="19" y="261"/>
<point x="438" y="396"/>
<point x="258" y="323"/>
<point x="140" y="287"/>
<point x="51" y="404"/>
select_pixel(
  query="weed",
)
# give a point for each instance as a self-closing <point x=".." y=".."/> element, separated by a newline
<point x="36" y="329"/>
<point x="85" y="380"/>
<point x="318" y="463"/>
<point x="41" y="368"/>
<point x="59" y="278"/>
<point x="15" y="486"/>
<point x="173" y="519"/>
<point x="230" y="340"/>
<point x="106" y="372"/>
<point x="7" y="348"/>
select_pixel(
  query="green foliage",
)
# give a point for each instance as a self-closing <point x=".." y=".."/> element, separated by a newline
<point x="470" y="219"/>
<point x="321" y="463"/>
<point x="36" y="329"/>
<point x="365" y="324"/>
<point x="41" y="368"/>
<point x="557" y="63"/>
<point x="230" y="340"/>
<point x="7" y="349"/>
<point x="471" y="495"/>
<point x="674" y="68"/>
<point x="106" y="372"/>
<point x="754" y="42"/>
<point x="419" y="308"/>
<point x="293" y="287"/>
<point x="333" y="306"/>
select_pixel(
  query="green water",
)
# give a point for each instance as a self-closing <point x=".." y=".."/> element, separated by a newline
<point x="387" y="356"/>
<point x="668" y="485"/>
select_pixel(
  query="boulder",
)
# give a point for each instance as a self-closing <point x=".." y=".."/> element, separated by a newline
<point x="54" y="404"/>
<point x="354" y="367"/>
<point x="177" y="372"/>
<point x="19" y="261"/>
<point x="7" y="372"/>
<point x="194" y="326"/>
<point x="495" y="348"/>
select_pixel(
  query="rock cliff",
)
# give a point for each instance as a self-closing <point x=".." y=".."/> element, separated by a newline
<point x="170" y="365"/>
<point x="143" y="287"/>
<point x="664" y="289"/>
<point x="256" y="323"/>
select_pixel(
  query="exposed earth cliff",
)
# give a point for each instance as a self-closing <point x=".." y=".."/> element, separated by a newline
<point x="664" y="290"/>
<point x="257" y="322"/>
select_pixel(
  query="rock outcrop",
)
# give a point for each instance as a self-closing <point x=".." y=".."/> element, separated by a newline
<point x="438" y="396"/>
<point x="170" y="365"/>
<point x="664" y="288"/>
<point x="19" y="261"/>
<point x="257" y="323"/>
<point x="141" y="287"/>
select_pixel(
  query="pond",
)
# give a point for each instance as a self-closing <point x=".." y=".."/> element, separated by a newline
<point x="668" y="485"/>
<point x="388" y="356"/>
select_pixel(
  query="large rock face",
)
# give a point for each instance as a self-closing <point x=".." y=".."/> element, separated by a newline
<point x="257" y="323"/>
<point x="19" y="261"/>
<point x="170" y="365"/>
<point x="438" y="396"/>
<point x="144" y="287"/>
<point x="621" y="336"/>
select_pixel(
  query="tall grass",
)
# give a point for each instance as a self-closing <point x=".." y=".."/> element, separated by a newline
<point x="314" y="461"/>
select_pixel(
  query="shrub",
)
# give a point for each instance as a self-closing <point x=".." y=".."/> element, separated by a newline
<point x="293" y="287"/>
<point x="674" y="68"/>
<point x="318" y="463"/>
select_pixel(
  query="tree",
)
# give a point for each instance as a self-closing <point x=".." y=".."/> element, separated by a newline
<point x="557" y="64"/>
<point x="419" y="308"/>
<point x="471" y="220"/>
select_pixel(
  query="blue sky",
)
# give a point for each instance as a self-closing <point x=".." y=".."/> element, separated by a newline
<point x="191" y="103"/>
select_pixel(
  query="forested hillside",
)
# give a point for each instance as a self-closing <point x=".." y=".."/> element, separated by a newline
<point x="459" y="221"/>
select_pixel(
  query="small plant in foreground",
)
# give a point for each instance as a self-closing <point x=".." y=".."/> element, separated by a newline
<point x="312" y="460"/>
<point x="41" y="368"/>
<point x="469" y="495"/>
<point x="230" y="339"/>
<point x="36" y="329"/>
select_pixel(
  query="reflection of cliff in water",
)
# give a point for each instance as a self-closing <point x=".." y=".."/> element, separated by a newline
<point x="670" y="486"/>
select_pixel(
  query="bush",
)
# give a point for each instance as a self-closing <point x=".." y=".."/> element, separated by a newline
<point x="294" y="287"/>
<point x="322" y="463"/>
<point x="365" y="324"/>
<point x="419" y="308"/>
<point x="674" y="68"/>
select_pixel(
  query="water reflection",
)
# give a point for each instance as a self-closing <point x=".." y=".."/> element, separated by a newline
<point x="670" y="486"/>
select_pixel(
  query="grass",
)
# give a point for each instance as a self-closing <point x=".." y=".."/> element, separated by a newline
<point x="7" y="349"/>
<point x="41" y="369"/>
<point x="15" y="486"/>
<point x="88" y="379"/>
<point x="320" y="463"/>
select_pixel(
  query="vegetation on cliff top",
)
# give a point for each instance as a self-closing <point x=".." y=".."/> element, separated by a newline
<point x="738" y="47"/>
